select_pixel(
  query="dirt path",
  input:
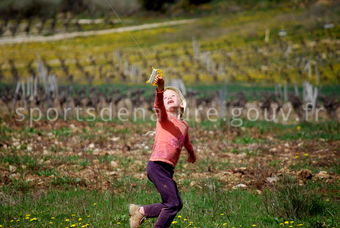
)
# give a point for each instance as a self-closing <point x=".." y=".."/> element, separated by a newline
<point x="61" y="36"/>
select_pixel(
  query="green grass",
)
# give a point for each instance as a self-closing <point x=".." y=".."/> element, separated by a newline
<point x="207" y="207"/>
<point x="328" y="130"/>
<point x="28" y="161"/>
<point x="290" y="200"/>
<point x="47" y="172"/>
<point x="323" y="130"/>
<point x="64" y="131"/>
<point x="68" y="193"/>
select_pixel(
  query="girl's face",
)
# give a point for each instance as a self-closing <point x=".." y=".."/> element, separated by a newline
<point x="171" y="99"/>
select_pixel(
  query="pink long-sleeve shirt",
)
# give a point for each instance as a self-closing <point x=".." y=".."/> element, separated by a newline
<point x="171" y="134"/>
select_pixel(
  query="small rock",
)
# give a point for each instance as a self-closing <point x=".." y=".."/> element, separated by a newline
<point x="96" y="151"/>
<point x="192" y="183"/>
<point x="12" y="168"/>
<point x="114" y="164"/>
<point x="114" y="139"/>
<point x="15" y="176"/>
<point x="242" y="186"/>
<point x="113" y="173"/>
<point x="241" y="155"/>
<point x="91" y="146"/>
<point x="322" y="175"/>
<point x="271" y="180"/>
<point x="29" y="148"/>
<point x="273" y="149"/>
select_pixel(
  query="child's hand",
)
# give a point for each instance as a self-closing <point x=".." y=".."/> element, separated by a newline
<point x="192" y="158"/>
<point x="160" y="83"/>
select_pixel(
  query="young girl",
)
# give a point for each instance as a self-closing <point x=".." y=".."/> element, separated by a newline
<point x="171" y="136"/>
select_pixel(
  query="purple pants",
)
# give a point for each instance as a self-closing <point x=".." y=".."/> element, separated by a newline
<point x="160" y="174"/>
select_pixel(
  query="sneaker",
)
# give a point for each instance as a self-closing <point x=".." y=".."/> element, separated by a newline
<point x="136" y="218"/>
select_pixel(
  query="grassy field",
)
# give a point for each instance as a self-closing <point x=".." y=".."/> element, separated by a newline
<point x="262" y="174"/>
<point x="84" y="174"/>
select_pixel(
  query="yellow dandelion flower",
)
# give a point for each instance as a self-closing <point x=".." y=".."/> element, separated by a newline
<point x="281" y="224"/>
<point x="253" y="225"/>
<point x="291" y="222"/>
<point x="222" y="214"/>
<point x="179" y="216"/>
<point x="286" y="222"/>
<point x="300" y="224"/>
<point x="290" y="226"/>
<point x="67" y="220"/>
<point x="225" y="224"/>
<point x="28" y="215"/>
<point x="33" y="219"/>
<point x="18" y="220"/>
<point x="73" y="215"/>
<point x="73" y="225"/>
<point x="306" y="154"/>
<point x="94" y="204"/>
<point x="50" y="222"/>
<point x="185" y="219"/>
<point x="80" y="219"/>
<point x="296" y="157"/>
<point x="174" y="222"/>
<point x="89" y="216"/>
<point x="1" y="226"/>
<point x="11" y="220"/>
<point x="119" y="223"/>
<point x="52" y="217"/>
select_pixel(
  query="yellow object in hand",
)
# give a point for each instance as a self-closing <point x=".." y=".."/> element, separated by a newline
<point x="153" y="75"/>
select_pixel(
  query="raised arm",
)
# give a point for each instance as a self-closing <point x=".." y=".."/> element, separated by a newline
<point x="159" y="102"/>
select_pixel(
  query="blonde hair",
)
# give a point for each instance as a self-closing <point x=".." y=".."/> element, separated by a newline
<point x="183" y="104"/>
